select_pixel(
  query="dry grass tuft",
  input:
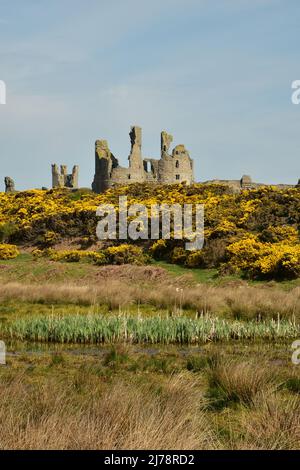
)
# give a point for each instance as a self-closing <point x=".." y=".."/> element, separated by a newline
<point x="273" y="425"/>
<point x="56" y="416"/>
<point x="241" y="382"/>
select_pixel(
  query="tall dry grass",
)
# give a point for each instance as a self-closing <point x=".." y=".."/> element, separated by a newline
<point x="81" y="415"/>
<point x="242" y="382"/>
<point x="242" y="302"/>
<point x="260" y="414"/>
<point x="82" y="411"/>
<point x="273" y="425"/>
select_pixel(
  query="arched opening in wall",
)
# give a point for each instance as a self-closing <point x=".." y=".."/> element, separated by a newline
<point x="129" y="177"/>
<point x="178" y="177"/>
<point x="177" y="164"/>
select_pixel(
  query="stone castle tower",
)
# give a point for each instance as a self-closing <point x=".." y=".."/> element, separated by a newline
<point x="61" y="178"/>
<point x="175" y="167"/>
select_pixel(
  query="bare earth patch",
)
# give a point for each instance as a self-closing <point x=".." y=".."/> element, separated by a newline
<point x="133" y="273"/>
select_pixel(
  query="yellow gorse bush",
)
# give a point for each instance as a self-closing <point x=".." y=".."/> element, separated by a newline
<point x="227" y="210"/>
<point x="256" y="231"/>
<point x="265" y="259"/>
<point x="69" y="255"/>
<point x="120" y="254"/>
<point x="8" y="251"/>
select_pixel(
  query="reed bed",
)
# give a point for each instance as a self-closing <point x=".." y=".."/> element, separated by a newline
<point x="165" y="330"/>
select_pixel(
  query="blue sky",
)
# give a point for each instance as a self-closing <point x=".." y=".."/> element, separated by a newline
<point x="216" y="74"/>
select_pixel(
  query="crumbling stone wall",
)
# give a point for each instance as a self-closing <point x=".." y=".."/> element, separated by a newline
<point x="170" y="168"/>
<point x="61" y="178"/>
<point x="104" y="164"/>
<point x="9" y="184"/>
<point x="244" y="183"/>
<point x="177" y="167"/>
<point x="136" y="166"/>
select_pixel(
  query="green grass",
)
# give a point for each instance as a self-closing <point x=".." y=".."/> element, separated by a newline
<point x="26" y="268"/>
<point x="16" y="309"/>
<point x="25" y="265"/>
<point x="211" y="276"/>
<point x="12" y="310"/>
<point x="200" y="275"/>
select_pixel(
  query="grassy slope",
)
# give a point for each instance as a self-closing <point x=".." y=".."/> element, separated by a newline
<point x="25" y="268"/>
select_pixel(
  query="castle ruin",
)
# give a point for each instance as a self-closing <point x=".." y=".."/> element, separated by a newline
<point x="61" y="178"/>
<point x="174" y="167"/>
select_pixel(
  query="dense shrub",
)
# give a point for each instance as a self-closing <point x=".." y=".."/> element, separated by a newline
<point x="8" y="251"/>
<point x="120" y="254"/>
<point x="265" y="260"/>
<point x="70" y="256"/>
<point x="179" y="255"/>
<point x="194" y="259"/>
<point x="160" y="249"/>
<point x="7" y="231"/>
<point x="285" y="233"/>
<point x="282" y="262"/>
<point x="125" y="254"/>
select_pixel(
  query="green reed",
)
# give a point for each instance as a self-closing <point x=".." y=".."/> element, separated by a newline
<point x="94" y="328"/>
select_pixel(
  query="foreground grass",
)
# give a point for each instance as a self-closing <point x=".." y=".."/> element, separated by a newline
<point x="121" y="397"/>
<point x="24" y="268"/>
<point x="54" y="415"/>
<point x="152" y="330"/>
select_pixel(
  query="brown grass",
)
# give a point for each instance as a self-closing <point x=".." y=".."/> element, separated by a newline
<point x="243" y="302"/>
<point x="273" y="425"/>
<point x="242" y="382"/>
<point x="56" y="416"/>
<point x="85" y="413"/>
<point x="93" y="403"/>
